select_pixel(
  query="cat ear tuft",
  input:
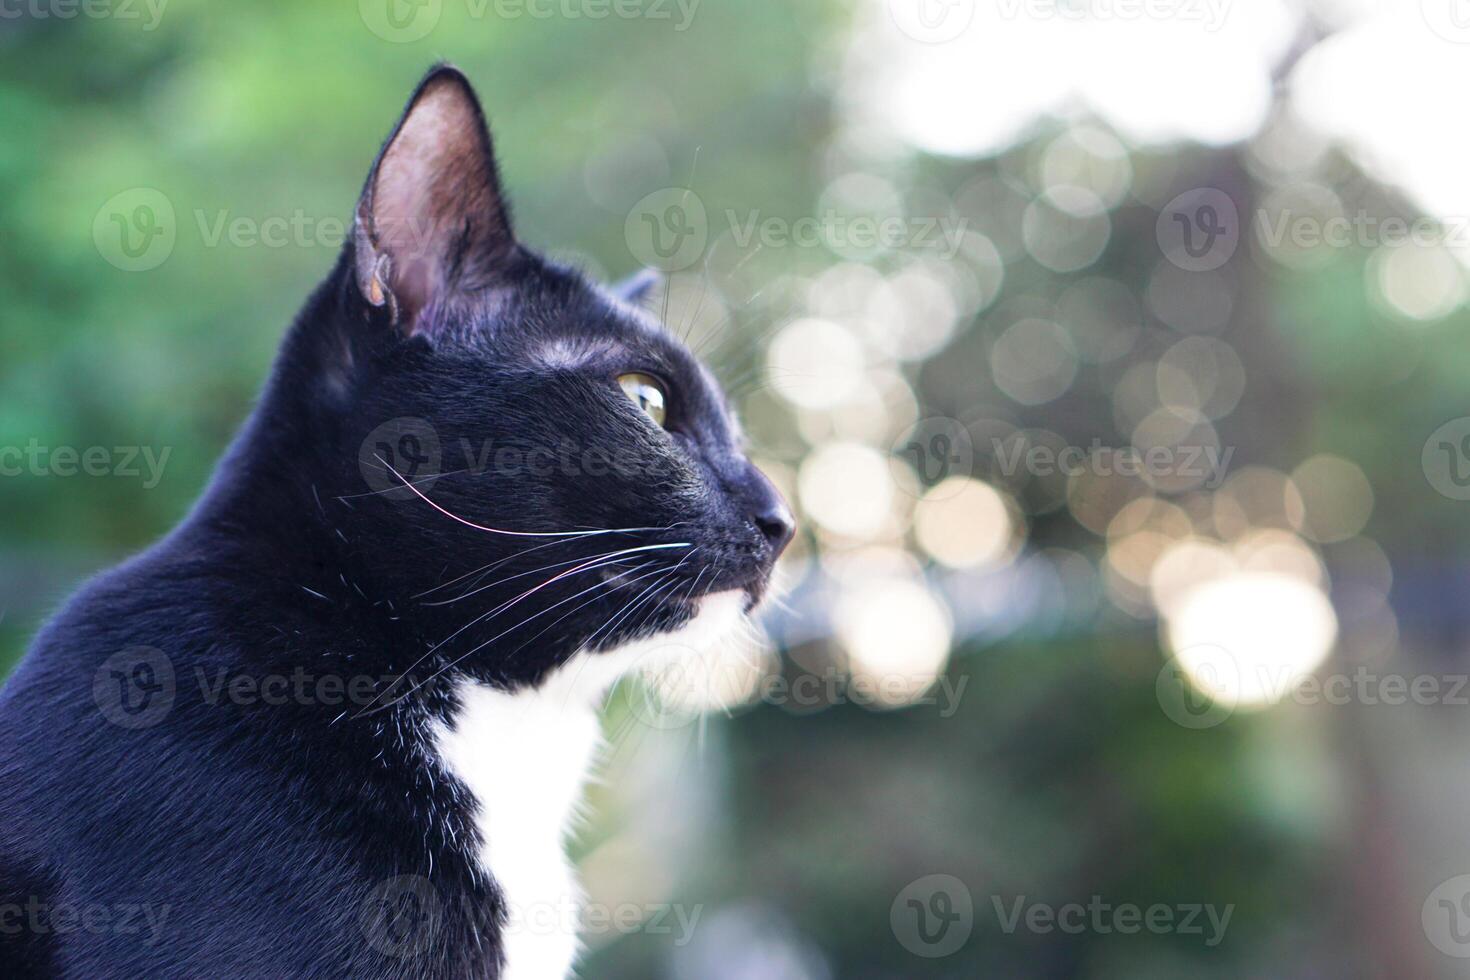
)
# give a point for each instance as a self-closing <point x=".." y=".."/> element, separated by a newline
<point x="639" y="286"/>
<point x="431" y="221"/>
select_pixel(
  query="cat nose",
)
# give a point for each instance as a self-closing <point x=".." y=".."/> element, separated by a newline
<point x="777" y="524"/>
<point x="765" y="509"/>
<point x="770" y="514"/>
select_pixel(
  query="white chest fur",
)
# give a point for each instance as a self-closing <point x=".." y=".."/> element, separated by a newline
<point x="525" y="757"/>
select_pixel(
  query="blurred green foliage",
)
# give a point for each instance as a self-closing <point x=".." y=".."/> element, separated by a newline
<point x="1058" y="779"/>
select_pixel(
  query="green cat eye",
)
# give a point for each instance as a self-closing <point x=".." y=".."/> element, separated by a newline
<point x="647" y="393"/>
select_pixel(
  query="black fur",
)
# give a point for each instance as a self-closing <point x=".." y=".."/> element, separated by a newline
<point x="291" y="834"/>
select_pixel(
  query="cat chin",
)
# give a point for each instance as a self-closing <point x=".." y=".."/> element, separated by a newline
<point x="714" y="623"/>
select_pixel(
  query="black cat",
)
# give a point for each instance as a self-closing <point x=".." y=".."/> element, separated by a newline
<point x="333" y="724"/>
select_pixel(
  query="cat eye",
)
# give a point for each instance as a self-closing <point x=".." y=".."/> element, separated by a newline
<point x="647" y="393"/>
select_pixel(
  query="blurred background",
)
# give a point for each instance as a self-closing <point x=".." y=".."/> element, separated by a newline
<point x="1111" y="351"/>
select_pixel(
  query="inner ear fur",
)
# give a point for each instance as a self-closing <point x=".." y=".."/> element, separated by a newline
<point x="432" y="221"/>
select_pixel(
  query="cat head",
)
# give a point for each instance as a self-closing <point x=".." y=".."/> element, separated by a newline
<point x="540" y="467"/>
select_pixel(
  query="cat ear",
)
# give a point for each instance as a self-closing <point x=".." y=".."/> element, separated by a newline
<point x="431" y="221"/>
<point x="639" y="286"/>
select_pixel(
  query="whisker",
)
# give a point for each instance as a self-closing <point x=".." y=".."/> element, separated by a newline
<point x="583" y="605"/>
<point x="607" y="628"/>
<point x="525" y="551"/>
<point x="589" y="565"/>
<point x="652" y="608"/>
<point x="423" y="479"/>
<point x="497" y="530"/>
<point x="502" y="633"/>
<point x="585" y="644"/>
<point x="511" y="578"/>
<point x="449" y="666"/>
